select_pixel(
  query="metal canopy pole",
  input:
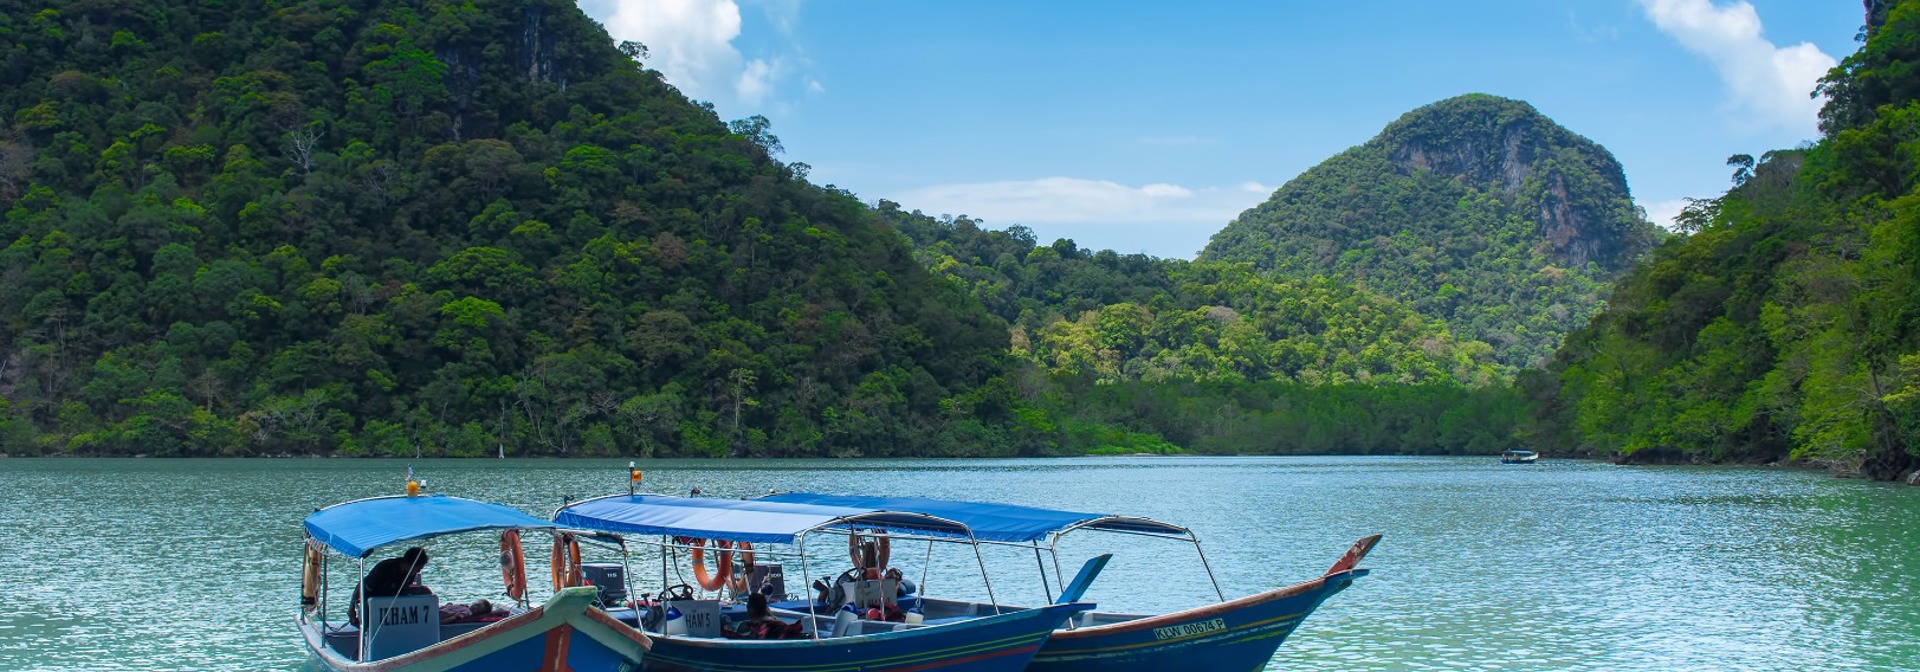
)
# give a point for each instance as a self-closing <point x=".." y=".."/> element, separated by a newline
<point x="364" y="621"/>
<point x="1038" y="562"/>
<point x="806" y="571"/>
<point x="1209" y="568"/>
<point x="983" y="571"/>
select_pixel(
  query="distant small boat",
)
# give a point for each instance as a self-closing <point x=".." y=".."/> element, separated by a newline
<point x="406" y="633"/>
<point x="1519" y="457"/>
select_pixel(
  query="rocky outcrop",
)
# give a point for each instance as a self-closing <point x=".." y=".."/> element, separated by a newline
<point x="1477" y="209"/>
<point x="1507" y="146"/>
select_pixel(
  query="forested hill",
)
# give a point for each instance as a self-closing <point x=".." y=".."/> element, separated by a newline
<point x="1130" y="353"/>
<point x="383" y="227"/>
<point x="1477" y="210"/>
<point x="1114" y="317"/>
<point x="1784" y="325"/>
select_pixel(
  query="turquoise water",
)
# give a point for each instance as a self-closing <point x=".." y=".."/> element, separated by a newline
<point x="193" y="565"/>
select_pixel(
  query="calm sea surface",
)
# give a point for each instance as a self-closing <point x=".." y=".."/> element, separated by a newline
<point x="193" y="565"/>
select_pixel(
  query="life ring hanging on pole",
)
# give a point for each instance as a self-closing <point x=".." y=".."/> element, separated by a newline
<point x="513" y="565"/>
<point x="566" y="562"/>
<point x="738" y="584"/>
<point x="882" y="552"/>
<point x="310" y="576"/>
<point x="723" y="564"/>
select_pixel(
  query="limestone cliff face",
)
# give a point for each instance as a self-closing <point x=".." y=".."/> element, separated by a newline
<point x="1506" y="146"/>
<point x="1476" y="209"/>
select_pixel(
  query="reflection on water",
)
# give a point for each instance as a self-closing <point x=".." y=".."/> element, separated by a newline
<point x="149" y="565"/>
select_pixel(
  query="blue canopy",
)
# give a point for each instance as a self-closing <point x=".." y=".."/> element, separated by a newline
<point x="357" y="528"/>
<point x="754" y="521"/>
<point x="992" y="522"/>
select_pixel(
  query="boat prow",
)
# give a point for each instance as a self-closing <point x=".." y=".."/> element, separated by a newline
<point x="566" y="633"/>
<point x="1239" y="634"/>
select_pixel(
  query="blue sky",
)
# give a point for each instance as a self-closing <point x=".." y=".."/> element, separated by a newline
<point x="1147" y="126"/>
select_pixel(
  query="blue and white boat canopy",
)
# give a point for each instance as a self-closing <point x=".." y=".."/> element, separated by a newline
<point x="755" y="521"/>
<point x="994" y="522"/>
<point x="359" y="527"/>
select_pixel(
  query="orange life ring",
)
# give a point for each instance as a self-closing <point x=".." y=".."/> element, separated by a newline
<point x="566" y="562"/>
<point x="738" y="584"/>
<point x="881" y="555"/>
<point x="513" y="565"/>
<point x="723" y="564"/>
<point x="310" y="576"/>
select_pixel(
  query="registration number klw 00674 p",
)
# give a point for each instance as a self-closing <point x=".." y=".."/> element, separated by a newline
<point x="1189" y="629"/>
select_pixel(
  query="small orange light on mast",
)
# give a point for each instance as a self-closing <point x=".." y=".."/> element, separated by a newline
<point x="413" y="486"/>
<point x="633" y="478"/>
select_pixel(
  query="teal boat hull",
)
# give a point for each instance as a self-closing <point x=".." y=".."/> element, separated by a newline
<point x="1240" y="634"/>
<point x="565" y="635"/>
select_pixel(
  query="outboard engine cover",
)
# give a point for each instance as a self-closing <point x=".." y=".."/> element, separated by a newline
<point x="610" y="578"/>
<point x="769" y="579"/>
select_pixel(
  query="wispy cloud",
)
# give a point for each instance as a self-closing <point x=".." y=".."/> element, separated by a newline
<point x="1072" y="200"/>
<point x="1582" y="32"/>
<point x="1768" y="84"/>
<point x="1663" y="212"/>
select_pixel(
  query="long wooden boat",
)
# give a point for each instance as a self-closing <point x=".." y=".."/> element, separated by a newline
<point x="405" y="633"/>
<point x="1519" y="457"/>
<point x="1237" y="634"/>
<point x="990" y="638"/>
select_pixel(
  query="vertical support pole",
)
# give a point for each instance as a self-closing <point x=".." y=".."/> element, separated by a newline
<point x="365" y="619"/>
<point x="1209" y="568"/>
<point x="982" y="559"/>
<point x="806" y="572"/>
<point x="1038" y="562"/>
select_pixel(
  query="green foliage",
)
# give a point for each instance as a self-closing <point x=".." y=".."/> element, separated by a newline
<point x="1126" y="354"/>
<point x="1114" y="318"/>
<point x="1476" y="210"/>
<point x="1785" y="326"/>
<point x="442" y="228"/>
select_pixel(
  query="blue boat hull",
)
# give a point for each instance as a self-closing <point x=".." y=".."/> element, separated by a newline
<point x="1238" y="635"/>
<point x="564" y="635"/>
<point x="1004" y="643"/>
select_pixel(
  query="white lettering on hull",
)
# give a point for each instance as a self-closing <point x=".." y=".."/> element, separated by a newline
<point x="1190" y="629"/>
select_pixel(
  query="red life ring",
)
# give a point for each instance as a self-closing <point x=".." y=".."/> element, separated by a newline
<point x="723" y="569"/>
<point x="513" y="565"/>
<point x="566" y="562"/>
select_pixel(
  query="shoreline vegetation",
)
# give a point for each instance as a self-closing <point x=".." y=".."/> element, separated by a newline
<point x="393" y="229"/>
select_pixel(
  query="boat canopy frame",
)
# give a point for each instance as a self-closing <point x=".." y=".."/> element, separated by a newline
<point x="1028" y="536"/>
<point x="830" y="520"/>
<point x="357" y="541"/>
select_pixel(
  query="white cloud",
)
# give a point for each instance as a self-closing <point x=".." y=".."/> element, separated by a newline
<point x="690" y="41"/>
<point x="1663" y="212"/>
<point x="693" y="43"/>
<point x="757" y="80"/>
<point x="1769" y="84"/>
<point x="1253" y="187"/>
<point x="815" y="87"/>
<point x="1164" y="190"/>
<point x="1071" y="200"/>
